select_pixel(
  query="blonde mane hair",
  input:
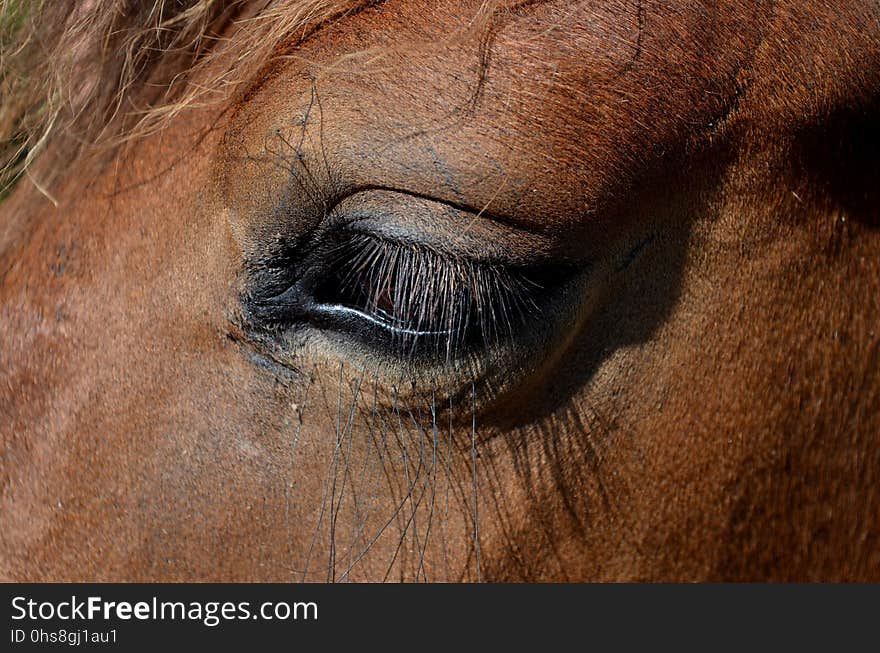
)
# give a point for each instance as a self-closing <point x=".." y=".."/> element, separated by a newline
<point x="104" y="71"/>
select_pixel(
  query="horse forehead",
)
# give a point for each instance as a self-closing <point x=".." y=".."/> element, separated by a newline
<point x="550" y="55"/>
<point x="554" y="104"/>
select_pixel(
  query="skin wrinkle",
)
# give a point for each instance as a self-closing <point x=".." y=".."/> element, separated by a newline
<point x="705" y="409"/>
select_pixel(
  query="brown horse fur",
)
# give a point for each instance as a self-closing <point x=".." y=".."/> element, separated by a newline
<point x="704" y="405"/>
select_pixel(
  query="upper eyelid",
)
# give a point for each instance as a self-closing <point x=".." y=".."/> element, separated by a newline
<point x="427" y="248"/>
<point x="446" y="230"/>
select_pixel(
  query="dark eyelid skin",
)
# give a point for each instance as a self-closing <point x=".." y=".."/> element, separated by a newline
<point x="402" y="219"/>
<point x="527" y="298"/>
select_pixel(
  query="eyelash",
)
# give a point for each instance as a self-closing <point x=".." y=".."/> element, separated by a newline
<point x="427" y="301"/>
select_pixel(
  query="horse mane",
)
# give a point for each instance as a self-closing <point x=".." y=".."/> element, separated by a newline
<point x="105" y="71"/>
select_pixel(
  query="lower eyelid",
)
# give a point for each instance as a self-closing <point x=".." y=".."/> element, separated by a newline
<point x="338" y="311"/>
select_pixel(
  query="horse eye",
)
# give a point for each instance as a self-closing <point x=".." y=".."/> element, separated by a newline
<point x="410" y="300"/>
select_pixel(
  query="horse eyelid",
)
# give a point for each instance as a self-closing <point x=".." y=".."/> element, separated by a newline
<point x="416" y="294"/>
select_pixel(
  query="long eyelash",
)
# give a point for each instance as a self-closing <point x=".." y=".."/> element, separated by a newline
<point x="428" y="298"/>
